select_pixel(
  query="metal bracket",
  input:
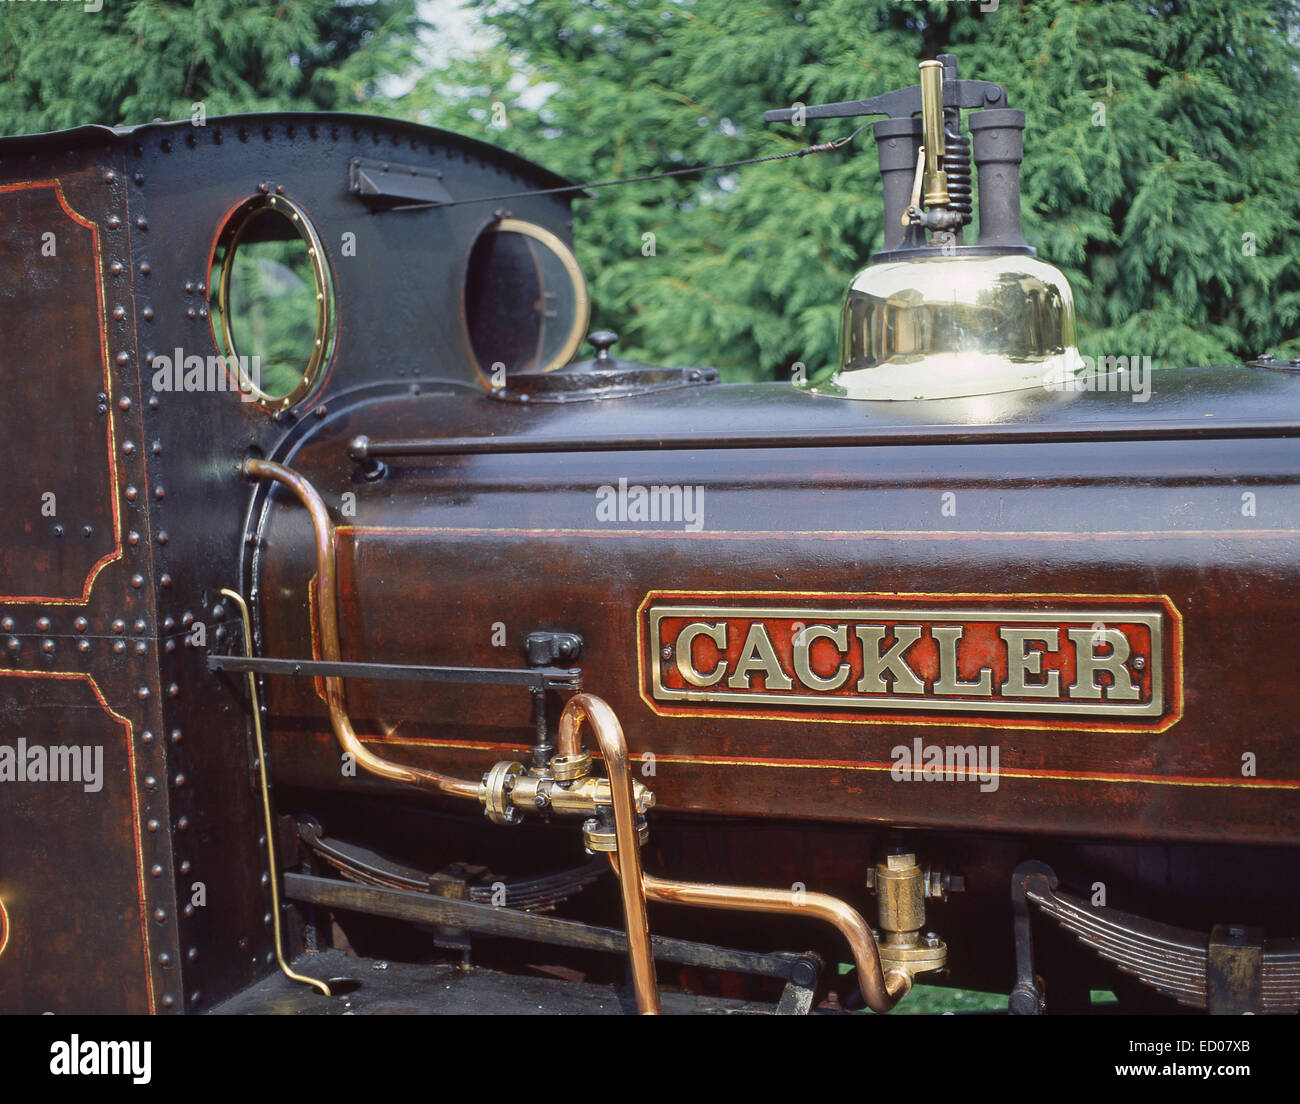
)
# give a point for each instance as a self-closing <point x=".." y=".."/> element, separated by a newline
<point x="389" y="183"/>
<point x="1234" y="974"/>
<point x="544" y="649"/>
<point x="1027" y="996"/>
<point x="797" y="997"/>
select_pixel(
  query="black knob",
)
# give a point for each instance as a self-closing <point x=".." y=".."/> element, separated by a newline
<point x="602" y="340"/>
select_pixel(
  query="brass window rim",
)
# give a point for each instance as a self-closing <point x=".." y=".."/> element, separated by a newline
<point x="231" y="235"/>
<point x="582" y="298"/>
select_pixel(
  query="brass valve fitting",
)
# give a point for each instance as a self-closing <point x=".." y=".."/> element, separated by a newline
<point x="900" y="887"/>
<point x="509" y="790"/>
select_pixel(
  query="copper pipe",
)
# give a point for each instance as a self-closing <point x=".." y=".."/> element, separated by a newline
<point x="328" y="625"/>
<point x="627" y="860"/>
<point x="881" y="991"/>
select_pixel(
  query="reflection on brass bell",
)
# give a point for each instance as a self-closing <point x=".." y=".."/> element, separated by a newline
<point x="934" y="318"/>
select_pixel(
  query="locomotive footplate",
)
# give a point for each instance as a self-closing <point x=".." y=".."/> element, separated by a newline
<point x="373" y="987"/>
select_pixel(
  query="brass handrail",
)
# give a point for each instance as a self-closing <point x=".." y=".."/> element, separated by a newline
<point x="328" y="625"/>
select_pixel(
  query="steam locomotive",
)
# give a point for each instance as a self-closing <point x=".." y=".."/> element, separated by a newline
<point x="361" y="646"/>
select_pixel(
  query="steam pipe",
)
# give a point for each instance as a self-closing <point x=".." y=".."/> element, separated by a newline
<point x="327" y="616"/>
<point x="627" y="860"/>
<point x="880" y="990"/>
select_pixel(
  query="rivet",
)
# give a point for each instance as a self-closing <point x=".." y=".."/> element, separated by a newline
<point x="109" y="176"/>
<point x="169" y="646"/>
<point x="150" y="782"/>
<point x="182" y="824"/>
<point x="113" y="222"/>
<point x="192" y="954"/>
<point x="124" y="403"/>
<point x="128" y="447"/>
<point x="160" y="915"/>
<point x="139" y="625"/>
<point x="130" y="497"/>
<point x="169" y="623"/>
<point x="152" y="825"/>
<point x="201" y="287"/>
<point x="267" y="919"/>
<point x="119" y="313"/>
<point x="176" y="735"/>
<point x="266" y="878"/>
<point x="137" y="581"/>
<point x="119" y="626"/>
<point x="153" y="402"/>
<point x="148" y="314"/>
<point x="189" y="910"/>
<point x="173" y="690"/>
<point x="13" y="644"/>
<point x="141" y="647"/>
<point x="164" y="959"/>
<point x="167" y="1000"/>
<point x="156" y="448"/>
<point x="83" y="645"/>
<point x="203" y="312"/>
<point x="219" y="612"/>
<point x="47" y="646"/>
<point x="142" y="693"/>
<point x="165" y="579"/>
<point x="158" y="492"/>
<point x="81" y="624"/>
<point x="144" y="265"/>
<point x="187" y="619"/>
<point x="133" y="538"/>
<point x="185" y="866"/>
<point x="146" y="737"/>
<point x="189" y="287"/>
<point x="87" y="530"/>
<point x="58" y="530"/>
<point x="142" y="222"/>
<point x="156" y="870"/>
<point x="43" y="623"/>
<point x="191" y="313"/>
<point x="180" y="781"/>
<point x="162" y="536"/>
<point x="115" y="268"/>
<point x="7" y="624"/>
<point x="123" y="359"/>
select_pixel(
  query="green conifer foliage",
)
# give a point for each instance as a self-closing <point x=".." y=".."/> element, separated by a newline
<point x="1162" y="158"/>
<point x="136" y="60"/>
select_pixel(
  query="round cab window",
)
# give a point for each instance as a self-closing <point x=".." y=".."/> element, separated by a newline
<point x="526" y="304"/>
<point x="272" y="303"/>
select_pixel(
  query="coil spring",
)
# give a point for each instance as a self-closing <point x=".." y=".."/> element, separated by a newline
<point x="956" y="164"/>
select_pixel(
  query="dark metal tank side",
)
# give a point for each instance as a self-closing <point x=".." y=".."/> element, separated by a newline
<point x="1052" y="495"/>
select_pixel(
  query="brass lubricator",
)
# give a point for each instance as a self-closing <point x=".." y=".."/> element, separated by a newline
<point x="901" y="888"/>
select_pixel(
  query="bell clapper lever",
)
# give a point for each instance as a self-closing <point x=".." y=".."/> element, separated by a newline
<point x="930" y="184"/>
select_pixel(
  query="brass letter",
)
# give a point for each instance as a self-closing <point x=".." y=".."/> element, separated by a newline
<point x="682" y="650"/>
<point x="803" y="640"/>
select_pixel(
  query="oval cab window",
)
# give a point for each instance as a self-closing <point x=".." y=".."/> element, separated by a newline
<point x="272" y="301"/>
<point x="526" y="303"/>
